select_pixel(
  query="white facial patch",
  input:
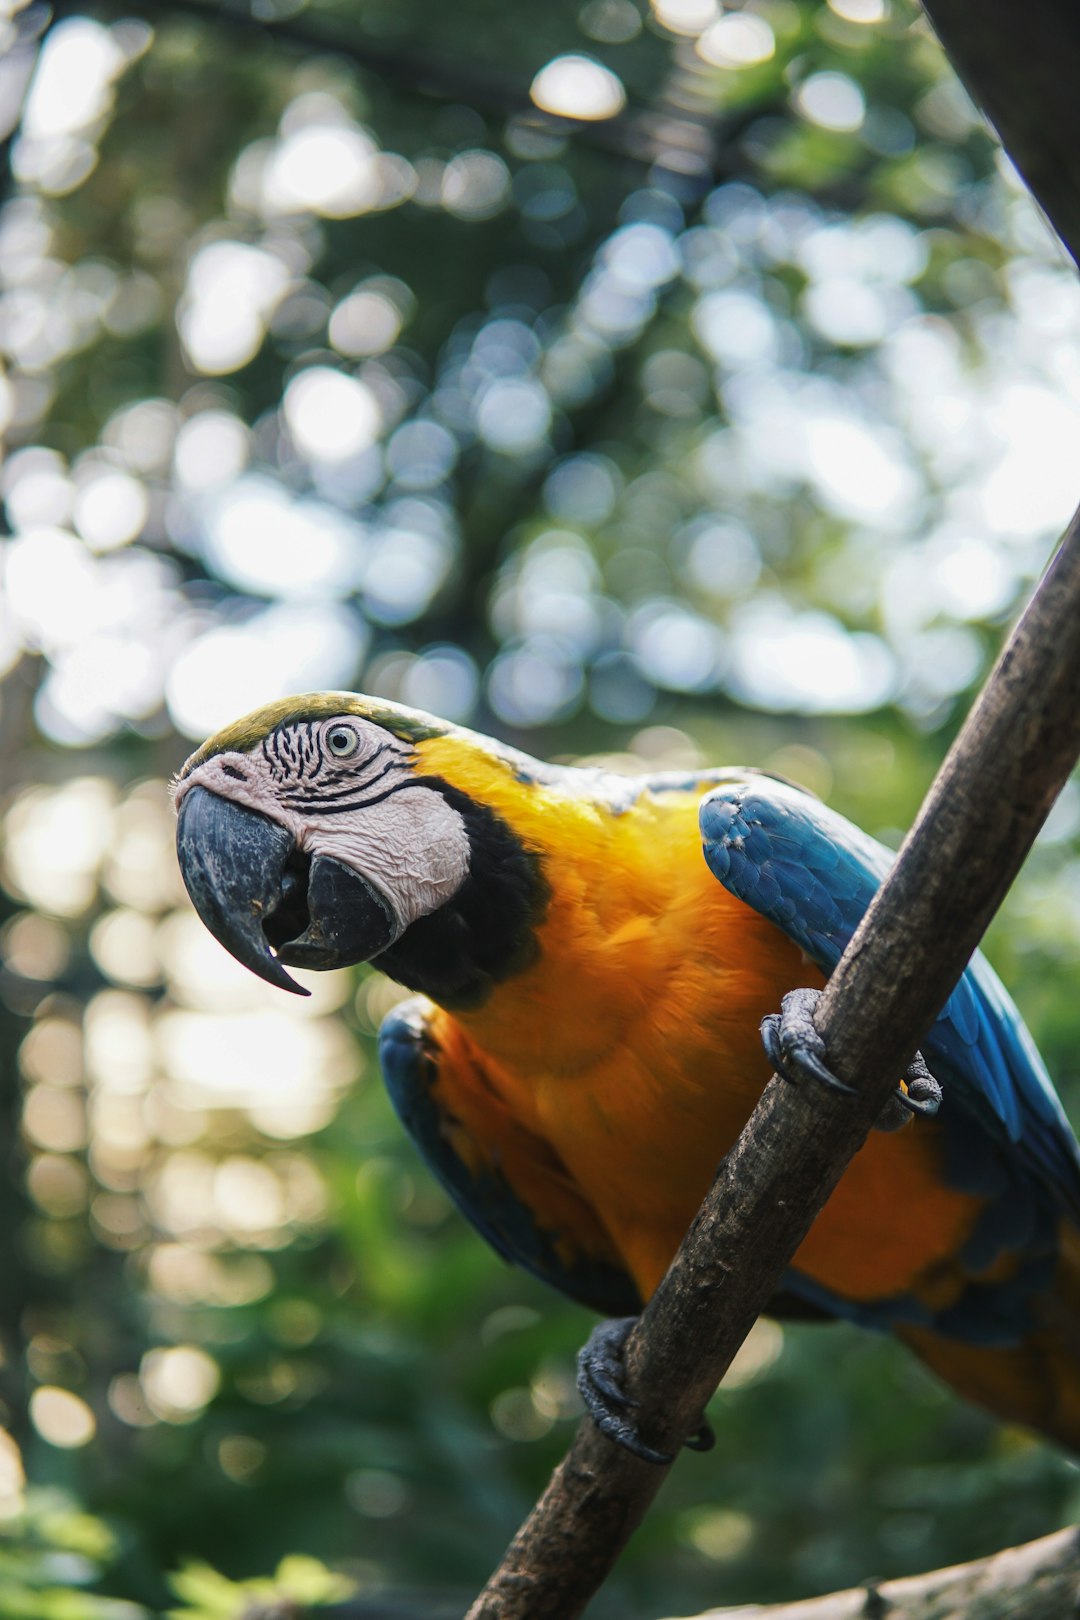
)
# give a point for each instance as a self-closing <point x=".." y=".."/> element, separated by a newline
<point x="413" y="848"/>
<point x="363" y="808"/>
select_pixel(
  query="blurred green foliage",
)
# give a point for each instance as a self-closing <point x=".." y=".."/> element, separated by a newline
<point x="732" y="426"/>
<point x="298" y="1584"/>
<point x="51" y="1554"/>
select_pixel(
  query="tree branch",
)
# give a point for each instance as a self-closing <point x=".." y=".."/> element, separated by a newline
<point x="978" y="822"/>
<point x="1040" y="1581"/>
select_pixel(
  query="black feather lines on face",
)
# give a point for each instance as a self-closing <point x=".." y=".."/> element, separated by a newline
<point x="297" y="760"/>
<point x="487" y="932"/>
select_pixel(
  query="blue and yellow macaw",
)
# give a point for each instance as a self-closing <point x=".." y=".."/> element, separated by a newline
<point x="584" y="1046"/>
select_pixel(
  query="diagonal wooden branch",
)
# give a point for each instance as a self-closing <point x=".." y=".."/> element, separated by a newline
<point x="978" y="822"/>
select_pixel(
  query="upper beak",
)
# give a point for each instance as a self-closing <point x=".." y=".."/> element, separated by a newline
<point x="254" y="889"/>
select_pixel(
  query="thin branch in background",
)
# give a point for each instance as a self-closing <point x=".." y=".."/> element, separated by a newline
<point x="670" y="131"/>
<point x="1040" y="1581"/>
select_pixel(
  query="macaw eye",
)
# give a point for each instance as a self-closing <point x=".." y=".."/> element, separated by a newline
<point x="342" y="741"/>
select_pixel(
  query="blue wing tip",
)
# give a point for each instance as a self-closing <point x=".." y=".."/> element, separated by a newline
<point x="719" y="810"/>
<point x="722" y="828"/>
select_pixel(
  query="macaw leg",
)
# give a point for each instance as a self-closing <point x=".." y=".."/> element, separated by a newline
<point x="600" y="1375"/>
<point x="796" y="1050"/>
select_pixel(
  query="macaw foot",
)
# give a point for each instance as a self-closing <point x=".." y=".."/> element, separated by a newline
<point x="796" y="1051"/>
<point x="600" y="1375"/>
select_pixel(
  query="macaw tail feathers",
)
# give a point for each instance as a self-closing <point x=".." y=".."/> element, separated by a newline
<point x="1035" y="1382"/>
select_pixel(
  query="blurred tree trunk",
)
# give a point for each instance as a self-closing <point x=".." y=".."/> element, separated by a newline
<point x="1020" y="65"/>
<point x="20" y="1286"/>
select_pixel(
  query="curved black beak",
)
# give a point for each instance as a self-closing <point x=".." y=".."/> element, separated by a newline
<point x="233" y="863"/>
<point x="254" y="891"/>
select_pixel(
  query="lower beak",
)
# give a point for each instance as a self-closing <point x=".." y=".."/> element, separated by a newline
<point x="266" y="902"/>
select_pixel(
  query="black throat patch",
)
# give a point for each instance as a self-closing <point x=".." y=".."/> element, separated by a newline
<point x="487" y="932"/>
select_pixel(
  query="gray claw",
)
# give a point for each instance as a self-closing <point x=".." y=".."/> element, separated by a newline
<point x="793" y="1045"/>
<point x="796" y="1051"/>
<point x="600" y="1374"/>
<point x="600" y="1371"/>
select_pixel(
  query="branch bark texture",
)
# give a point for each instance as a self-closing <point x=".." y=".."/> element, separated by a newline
<point x="1040" y="1581"/>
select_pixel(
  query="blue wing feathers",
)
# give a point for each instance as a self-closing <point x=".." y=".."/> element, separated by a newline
<point x="410" y="1062"/>
<point x="407" y="1064"/>
<point x="811" y="872"/>
<point x="962" y="1011"/>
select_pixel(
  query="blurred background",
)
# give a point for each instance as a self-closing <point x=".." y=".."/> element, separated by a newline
<point x="658" y="382"/>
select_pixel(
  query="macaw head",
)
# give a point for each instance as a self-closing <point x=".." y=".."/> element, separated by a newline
<point x="313" y="833"/>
